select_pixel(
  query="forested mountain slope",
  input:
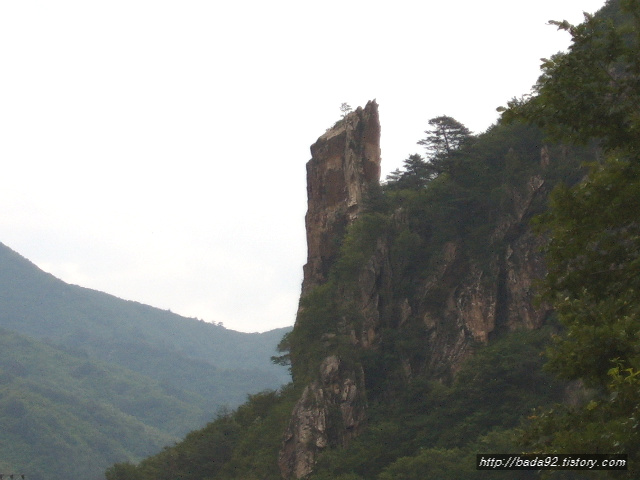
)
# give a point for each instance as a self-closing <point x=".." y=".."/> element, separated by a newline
<point x="89" y="379"/>
<point x="37" y="304"/>
<point x="63" y="414"/>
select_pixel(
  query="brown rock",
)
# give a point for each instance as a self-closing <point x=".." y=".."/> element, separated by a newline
<point x="344" y="161"/>
<point x="335" y="401"/>
<point x="464" y="301"/>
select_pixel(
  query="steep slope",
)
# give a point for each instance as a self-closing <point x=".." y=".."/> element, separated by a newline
<point x="417" y="342"/>
<point x="345" y="163"/>
<point x="421" y="279"/>
<point x="68" y="416"/>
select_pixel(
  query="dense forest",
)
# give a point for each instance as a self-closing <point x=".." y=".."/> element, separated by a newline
<point x="570" y="386"/>
<point x="87" y="379"/>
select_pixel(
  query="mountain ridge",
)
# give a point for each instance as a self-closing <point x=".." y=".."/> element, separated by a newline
<point x="19" y="277"/>
<point x="113" y="379"/>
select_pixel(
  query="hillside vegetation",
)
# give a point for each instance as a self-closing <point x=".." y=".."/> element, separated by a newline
<point x="87" y="379"/>
<point x="62" y="413"/>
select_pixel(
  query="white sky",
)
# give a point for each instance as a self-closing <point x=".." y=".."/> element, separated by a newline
<point x="156" y="150"/>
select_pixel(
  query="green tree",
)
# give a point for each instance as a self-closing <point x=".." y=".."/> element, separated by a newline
<point x="593" y="90"/>
<point x="593" y="259"/>
<point x="445" y="136"/>
<point x="416" y="174"/>
<point x="284" y="347"/>
<point x="346" y="109"/>
<point x="437" y="463"/>
<point x="593" y="255"/>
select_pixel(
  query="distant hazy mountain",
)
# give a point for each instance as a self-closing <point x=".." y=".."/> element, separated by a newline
<point x="87" y="379"/>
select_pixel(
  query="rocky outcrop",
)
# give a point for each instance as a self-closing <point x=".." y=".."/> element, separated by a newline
<point x="344" y="161"/>
<point x="478" y="306"/>
<point x="329" y="412"/>
<point x="465" y="301"/>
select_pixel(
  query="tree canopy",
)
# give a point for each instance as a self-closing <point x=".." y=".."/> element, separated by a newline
<point x="446" y="135"/>
<point x="592" y="92"/>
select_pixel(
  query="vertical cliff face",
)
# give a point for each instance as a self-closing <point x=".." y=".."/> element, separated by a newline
<point x="465" y="299"/>
<point x="345" y="161"/>
<point x="466" y="302"/>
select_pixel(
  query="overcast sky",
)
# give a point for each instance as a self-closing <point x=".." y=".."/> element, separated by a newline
<point x="156" y="150"/>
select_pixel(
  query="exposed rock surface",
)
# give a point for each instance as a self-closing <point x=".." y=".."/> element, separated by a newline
<point x="345" y="160"/>
<point x="464" y="302"/>
<point x="479" y="301"/>
<point x="329" y="410"/>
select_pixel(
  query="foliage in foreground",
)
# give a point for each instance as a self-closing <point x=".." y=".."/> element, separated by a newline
<point x="434" y="429"/>
<point x="593" y="256"/>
